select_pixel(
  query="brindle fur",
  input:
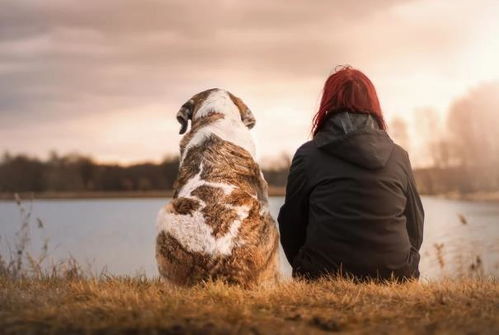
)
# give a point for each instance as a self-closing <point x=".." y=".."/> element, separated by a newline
<point x="196" y="125"/>
<point x="185" y="205"/>
<point x="254" y="258"/>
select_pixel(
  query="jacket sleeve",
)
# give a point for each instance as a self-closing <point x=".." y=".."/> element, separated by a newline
<point x="414" y="211"/>
<point x="293" y="215"/>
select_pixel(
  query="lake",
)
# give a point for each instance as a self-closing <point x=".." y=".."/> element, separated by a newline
<point x="118" y="234"/>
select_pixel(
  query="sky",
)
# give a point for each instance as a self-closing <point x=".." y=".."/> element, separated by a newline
<point x="106" y="78"/>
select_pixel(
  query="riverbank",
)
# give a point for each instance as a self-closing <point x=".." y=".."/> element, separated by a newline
<point x="474" y="196"/>
<point x="273" y="192"/>
<point x="141" y="306"/>
<point x="87" y="195"/>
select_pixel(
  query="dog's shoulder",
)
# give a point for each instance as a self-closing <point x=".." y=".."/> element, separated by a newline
<point x="197" y="127"/>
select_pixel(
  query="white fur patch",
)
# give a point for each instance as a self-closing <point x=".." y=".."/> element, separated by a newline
<point x="192" y="231"/>
<point x="196" y="181"/>
<point x="219" y="101"/>
<point x="230" y="128"/>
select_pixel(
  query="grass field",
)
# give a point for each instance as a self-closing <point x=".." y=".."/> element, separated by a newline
<point x="64" y="299"/>
<point x="141" y="306"/>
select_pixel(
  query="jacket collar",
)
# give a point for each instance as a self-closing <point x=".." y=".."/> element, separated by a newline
<point x="345" y="122"/>
<point x="356" y="138"/>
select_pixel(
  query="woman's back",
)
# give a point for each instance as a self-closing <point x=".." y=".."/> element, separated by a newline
<point x="350" y="203"/>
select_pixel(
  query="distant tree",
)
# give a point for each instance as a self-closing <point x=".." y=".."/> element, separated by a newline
<point x="276" y="172"/>
<point x="169" y="168"/>
<point x="473" y="122"/>
<point x="21" y="174"/>
<point x="88" y="171"/>
<point x="429" y="133"/>
<point x="398" y="130"/>
<point x="6" y="157"/>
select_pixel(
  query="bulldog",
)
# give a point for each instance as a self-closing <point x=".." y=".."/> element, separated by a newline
<point x="218" y="225"/>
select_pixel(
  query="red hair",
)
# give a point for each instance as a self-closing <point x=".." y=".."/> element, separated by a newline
<point x="348" y="89"/>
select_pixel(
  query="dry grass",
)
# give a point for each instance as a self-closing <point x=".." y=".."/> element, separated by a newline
<point x="64" y="299"/>
<point x="141" y="306"/>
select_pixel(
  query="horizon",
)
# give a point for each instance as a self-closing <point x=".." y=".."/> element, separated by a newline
<point x="75" y="79"/>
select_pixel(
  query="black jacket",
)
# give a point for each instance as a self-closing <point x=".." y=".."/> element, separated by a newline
<point x="351" y="204"/>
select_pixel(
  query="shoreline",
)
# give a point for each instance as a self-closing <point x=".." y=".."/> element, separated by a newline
<point x="273" y="192"/>
<point x="490" y="197"/>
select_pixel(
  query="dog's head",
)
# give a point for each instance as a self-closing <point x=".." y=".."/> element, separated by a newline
<point x="214" y="100"/>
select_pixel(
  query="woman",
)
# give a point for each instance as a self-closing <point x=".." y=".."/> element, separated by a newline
<point x="351" y="206"/>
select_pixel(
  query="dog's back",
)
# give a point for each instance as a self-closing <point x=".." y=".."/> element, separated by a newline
<point x="218" y="225"/>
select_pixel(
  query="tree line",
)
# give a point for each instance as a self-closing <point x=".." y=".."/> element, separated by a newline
<point x="21" y="173"/>
<point x="76" y="173"/>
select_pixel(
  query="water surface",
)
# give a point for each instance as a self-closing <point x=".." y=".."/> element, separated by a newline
<point x="118" y="234"/>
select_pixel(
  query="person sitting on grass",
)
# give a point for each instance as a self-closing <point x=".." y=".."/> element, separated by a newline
<point x="351" y="207"/>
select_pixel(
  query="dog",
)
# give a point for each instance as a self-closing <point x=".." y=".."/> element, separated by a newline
<point x="218" y="225"/>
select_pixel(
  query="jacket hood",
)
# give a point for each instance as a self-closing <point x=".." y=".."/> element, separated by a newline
<point x="356" y="138"/>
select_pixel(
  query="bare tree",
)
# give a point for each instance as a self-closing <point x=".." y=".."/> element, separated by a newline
<point x="398" y="130"/>
<point x="473" y="122"/>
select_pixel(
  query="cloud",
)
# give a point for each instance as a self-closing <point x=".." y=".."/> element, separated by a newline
<point x="72" y="63"/>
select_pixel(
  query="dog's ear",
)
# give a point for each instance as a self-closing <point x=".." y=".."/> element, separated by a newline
<point x="246" y="115"/>
<point x="248" y="118"/>
<point x="184" y="115"/>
